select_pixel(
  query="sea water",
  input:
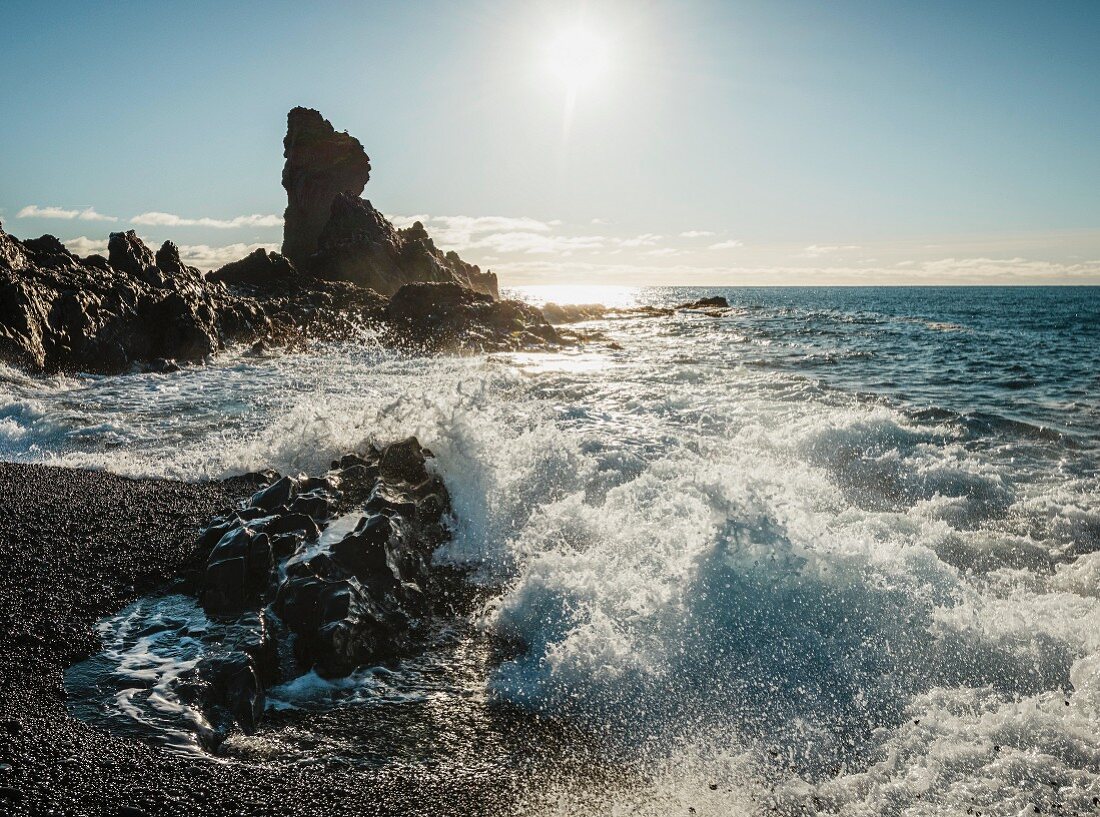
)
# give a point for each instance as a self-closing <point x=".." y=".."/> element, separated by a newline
<point x="828" y="550"/>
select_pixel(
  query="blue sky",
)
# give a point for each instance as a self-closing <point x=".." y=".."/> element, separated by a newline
<point x="719" y="143"/>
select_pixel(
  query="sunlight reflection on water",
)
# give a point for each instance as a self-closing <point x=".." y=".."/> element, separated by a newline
<point x="606" y="294"/>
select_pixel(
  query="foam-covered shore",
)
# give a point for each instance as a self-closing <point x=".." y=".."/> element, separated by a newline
<point x="78" y="545"/>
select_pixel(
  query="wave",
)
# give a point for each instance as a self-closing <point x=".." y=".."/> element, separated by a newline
<point x="732" y="576"/>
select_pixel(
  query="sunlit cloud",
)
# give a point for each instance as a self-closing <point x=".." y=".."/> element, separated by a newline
<point x="726" y="245"/>
<point x="818" y="250"/>
<point x="206" y="257"/>
<point x="158" y="219"/>
<point x="696" y="234"/>
<point x="643" y="240"/>
<point x="81" y="213"/>
<point x="86" y="246"/>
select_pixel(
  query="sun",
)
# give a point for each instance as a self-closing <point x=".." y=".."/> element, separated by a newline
<point x="578" y="57"/>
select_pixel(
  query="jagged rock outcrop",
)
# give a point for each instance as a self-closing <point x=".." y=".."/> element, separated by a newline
<point x="283" y="601"/>
<point x="168" y="259"/>
<point x="58" y="311"/>
<point x="258" y="268"/>
<point x="320" y="164"/>
<point x="331" y="232"/>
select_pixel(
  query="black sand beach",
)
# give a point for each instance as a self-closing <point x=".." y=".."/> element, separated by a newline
<point x="78" y="545"/>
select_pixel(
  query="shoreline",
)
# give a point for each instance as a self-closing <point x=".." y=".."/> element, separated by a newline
<point x="76" y="545"/>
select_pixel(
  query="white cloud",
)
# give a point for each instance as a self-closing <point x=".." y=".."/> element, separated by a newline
<point x="536" y="243"/>
<point x="818" y="250"/>
<point x="696" y="234"/>
<point x="86" y="246"/>
<point x="81" y="213"/>
<point x="158" y="219"/>
<point x="662" y="251"/>
<point x="206" y="257"/>
<point x="504" y="234"/>
<point x="726" y="245"/>
<point x="643" y="240"/>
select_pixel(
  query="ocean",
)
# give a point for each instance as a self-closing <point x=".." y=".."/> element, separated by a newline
<point x="832" y="549"/>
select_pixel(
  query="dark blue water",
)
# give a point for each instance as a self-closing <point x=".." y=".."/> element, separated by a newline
<point x="998" y="355"/>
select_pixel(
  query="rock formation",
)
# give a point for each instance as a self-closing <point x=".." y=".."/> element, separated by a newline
<point x="342" y="260"/>
<point x="284" y="602"/>
<point x="330" y="231"/>
<point x="58" y="311"/>
<point x="320" y="164"/>
<point x="440" y="315"/>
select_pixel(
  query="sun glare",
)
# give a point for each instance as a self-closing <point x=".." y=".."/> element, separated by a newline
<point x="578" y="57"/>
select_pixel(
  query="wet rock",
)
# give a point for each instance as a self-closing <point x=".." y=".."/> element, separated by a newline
<point x="279" y="493"/>
<point x="363" y="552"/>
<point x="404" y="461"/>
<point x="438" y="316"/>
<point x="293" y="522"/>
<point x="229" y="689"/>
<point x="238" y="572"/>
<point x="366" y="597"/>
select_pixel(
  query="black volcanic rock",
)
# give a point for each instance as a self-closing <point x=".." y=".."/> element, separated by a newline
<point x="60" y="312"/>
<point x="128" y="253"/>
<point x="168" y="258"/>
<point x="320" y="164"/>
<point x="259" y="267"/>
<point x="443" y="315"/>
<point x="331" y="232"/>
<point x="366" y="597"/>
<point x="342" y="260"/>
<point x="359" y="244"/>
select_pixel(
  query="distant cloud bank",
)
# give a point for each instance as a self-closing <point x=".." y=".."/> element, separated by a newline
<point x="152" y="219"/>
<point x="526" y="250"/>
<point x="81" y="213"/>
<point x="158" y="219"/>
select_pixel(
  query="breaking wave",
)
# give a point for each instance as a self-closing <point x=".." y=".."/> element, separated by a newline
<point x="762" y="588"/>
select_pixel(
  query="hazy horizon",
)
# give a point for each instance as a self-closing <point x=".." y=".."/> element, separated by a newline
<point x="701" y="144"/>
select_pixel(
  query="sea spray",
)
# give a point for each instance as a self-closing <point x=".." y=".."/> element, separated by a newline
<point x="816" y="557"/>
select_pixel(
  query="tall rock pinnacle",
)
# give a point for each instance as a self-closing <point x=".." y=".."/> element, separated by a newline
<point x="320" y="164"/>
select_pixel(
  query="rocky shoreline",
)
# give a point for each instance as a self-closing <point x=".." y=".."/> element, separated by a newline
<point x="344" y="267"/>
<point x="78" y="545"/>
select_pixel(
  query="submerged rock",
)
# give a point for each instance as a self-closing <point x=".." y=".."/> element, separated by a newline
<point x="713" y="302"/>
